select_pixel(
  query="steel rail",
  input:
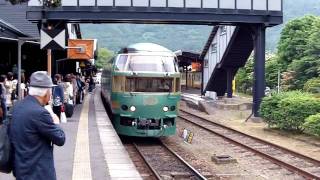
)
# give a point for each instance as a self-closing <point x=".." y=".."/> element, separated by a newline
<point x="315" y="161"/>
<point x="147" y="163"/>
<point x="197" y="173"/>
<point x="273" y="159"/>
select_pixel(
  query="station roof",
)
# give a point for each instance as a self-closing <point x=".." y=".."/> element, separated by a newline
<point x="13" y="18"/>
<point x="9" y="31"/>
<point x="186" y="58"/>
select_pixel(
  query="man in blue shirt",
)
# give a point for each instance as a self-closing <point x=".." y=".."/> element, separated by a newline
<point x="33" y="132"/>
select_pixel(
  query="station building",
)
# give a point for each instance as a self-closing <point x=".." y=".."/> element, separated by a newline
<point x="14" y="25"/>
<point x="227" y="49"/>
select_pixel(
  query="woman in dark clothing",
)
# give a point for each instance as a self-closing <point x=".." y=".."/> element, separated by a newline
<point x="91" y="83"/>
<point x="57" y="95"/>
<point x="3" y="105"/>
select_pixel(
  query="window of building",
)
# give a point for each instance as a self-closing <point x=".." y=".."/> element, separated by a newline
<point x="205" y="63"/>
<point x="73" y="30"/>
<point x="223" y="30"/>
<point x="214" y="48"/>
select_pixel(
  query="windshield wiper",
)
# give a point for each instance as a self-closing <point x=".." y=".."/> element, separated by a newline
<point x="130" y="67"/>
<point x="130" y="91"/>
<point x="164" y="66"/>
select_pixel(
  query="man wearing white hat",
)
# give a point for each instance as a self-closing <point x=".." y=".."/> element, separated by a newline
<point x="33" y="132"/>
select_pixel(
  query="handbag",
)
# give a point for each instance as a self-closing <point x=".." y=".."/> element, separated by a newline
<point x="1" y="113"/>
<point x="6" y="160"/>
<point x="69" y="108"/>
<point x="63" y="117"/>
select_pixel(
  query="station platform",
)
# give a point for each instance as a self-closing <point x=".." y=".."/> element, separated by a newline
<point x="194" y="98"/>
<point x="93" y="149"/>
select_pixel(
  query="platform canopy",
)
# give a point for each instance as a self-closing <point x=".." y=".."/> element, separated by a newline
<point x="187" y="58"/>
<point x="209" y="12"/>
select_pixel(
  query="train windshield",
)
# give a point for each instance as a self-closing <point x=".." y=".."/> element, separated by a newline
<point x="140" y="84"/>
<point x="151" y="63"/>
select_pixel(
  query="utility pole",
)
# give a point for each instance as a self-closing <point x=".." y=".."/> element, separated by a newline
<point x="49" y="62"/>
<point x="21" y="41"/>
<point x="278" y="81"/>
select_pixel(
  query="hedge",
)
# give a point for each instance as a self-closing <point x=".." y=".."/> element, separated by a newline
<point x="288" y="110"/>
<point x="312" y="124"/>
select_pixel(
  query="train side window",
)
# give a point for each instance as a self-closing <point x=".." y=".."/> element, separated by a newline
<point x="121" y="62"/>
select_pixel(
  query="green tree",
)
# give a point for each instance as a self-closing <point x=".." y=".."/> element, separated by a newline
<point x="104" y="58"/>
<point x="244" y="77"/>
<point x="299" y="51"/>
<point x="312" y="86"/>
<point x="294" y="39"/>
<point x="308" y="66"/>
<point x="272" y="69"/>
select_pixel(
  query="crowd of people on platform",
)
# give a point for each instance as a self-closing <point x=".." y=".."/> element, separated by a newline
<point x="32" y="131"/>
<point x="68" y="91"/>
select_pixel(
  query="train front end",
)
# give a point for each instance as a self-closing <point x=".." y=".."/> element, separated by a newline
<point x="145" y="94"/>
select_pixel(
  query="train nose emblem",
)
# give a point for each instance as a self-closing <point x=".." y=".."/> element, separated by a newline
<point x="150" y="101"/>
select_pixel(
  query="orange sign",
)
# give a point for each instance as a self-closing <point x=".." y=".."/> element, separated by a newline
<point x="81" y="49"/>
<point x="196" y="66"/>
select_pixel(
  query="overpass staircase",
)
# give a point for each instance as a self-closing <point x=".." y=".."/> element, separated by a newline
<point x="235" y="56"/>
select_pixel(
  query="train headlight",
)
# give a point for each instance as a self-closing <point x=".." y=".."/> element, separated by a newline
<point x="124" y="107"/>
<point x="165" y="109"/>
<point x="172" y="108"/>
<point x="132" y="108"/>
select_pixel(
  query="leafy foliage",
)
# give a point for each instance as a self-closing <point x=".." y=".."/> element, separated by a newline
<point x="289" y="110"/>
<point x="104" y="58"/>
<point x="17" y="1"/>
<point x="47" y="3"/>
<point x="312" y="124"/>
<point x="298" y="50"/>
<point x="244" y="77"/>
<point x="270" y="109"/>
<point x="312" y="85"/>
<point x="272" y="69"/>
<point x="294" y="39"/>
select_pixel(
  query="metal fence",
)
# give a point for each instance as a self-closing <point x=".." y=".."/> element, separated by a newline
<point x="264" y="5"/>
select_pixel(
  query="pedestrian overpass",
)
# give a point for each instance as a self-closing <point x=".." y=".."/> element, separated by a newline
<point x="201" y="12"/>
<point x="251" y="16"/>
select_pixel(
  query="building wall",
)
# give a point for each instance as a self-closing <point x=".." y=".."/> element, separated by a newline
<point x="215" y="53"/>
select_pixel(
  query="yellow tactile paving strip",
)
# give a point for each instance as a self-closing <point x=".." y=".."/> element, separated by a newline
<point x="81" y="162"/>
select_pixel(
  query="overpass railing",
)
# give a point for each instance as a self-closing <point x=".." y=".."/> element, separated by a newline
<point x="264" y="5"/>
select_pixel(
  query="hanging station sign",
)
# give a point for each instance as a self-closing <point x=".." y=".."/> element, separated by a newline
<point x="81" y="49"/>
<point x="54" y="39"/>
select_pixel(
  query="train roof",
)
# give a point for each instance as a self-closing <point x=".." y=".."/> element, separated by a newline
<point x="144" y="47"/>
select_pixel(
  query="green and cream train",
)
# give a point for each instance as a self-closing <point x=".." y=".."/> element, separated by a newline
<point x="142" y="89"/>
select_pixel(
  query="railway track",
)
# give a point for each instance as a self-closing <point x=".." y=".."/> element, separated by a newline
<point x="300" y="164"/>
<point x="163" y="162"/>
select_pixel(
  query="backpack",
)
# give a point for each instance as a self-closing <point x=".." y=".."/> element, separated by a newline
<point x="6" y="160"/>
<point x="1" y="99"/>
<point x="57" y="99"/>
